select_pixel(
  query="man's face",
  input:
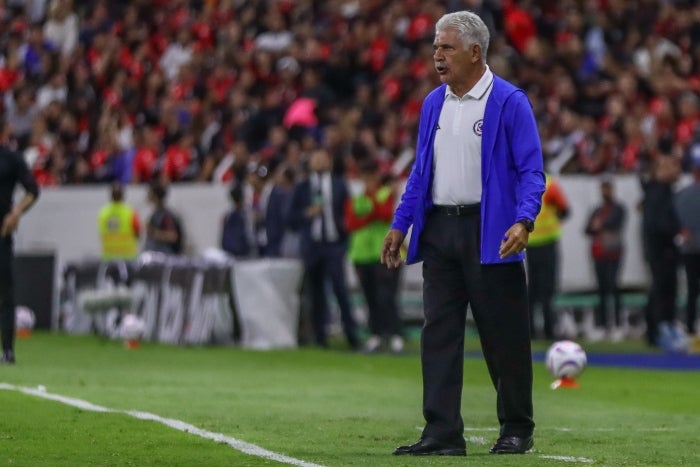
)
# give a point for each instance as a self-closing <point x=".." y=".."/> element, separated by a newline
<point x="320" y="161"/>
<point x="371" y="179"/>
<point x="453" y="61"/>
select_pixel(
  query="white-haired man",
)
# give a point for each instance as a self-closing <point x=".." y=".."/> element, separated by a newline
<point x="472" y="196"/>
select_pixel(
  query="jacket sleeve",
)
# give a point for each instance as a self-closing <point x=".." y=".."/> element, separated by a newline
<point x="340" y="198"/>
<point x="403" y="216"/>
<point x="527" y="156"/>
<point x="25" y="177"/>
<point x="589" y="230"/>
<point x="295" y="221"/>
<point x="555" y="196"/>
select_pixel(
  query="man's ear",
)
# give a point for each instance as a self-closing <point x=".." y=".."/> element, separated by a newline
<point x="476" y="53"/>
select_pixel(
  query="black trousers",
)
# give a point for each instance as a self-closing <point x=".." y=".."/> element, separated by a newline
<point x="380" y="287"/>
<point x="542" y="262"/>
<point x="7" y="293"/>
<point x="663" y="258"/>
<point x="454" y="279"/>
<point x="328" y="264"/>
<point x="692" y="274"/>
<point x="606" y="273"/>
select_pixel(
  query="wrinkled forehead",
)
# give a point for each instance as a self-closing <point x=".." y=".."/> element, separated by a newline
<point x="448" y="37"/>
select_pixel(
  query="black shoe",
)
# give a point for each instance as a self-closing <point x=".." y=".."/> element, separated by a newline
<point x="512" y="445"/>
<point x="431" y="447"/>
<point x="8" y="357"/>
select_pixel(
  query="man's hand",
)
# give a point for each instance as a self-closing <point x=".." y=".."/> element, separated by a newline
<point x="314" y="210"/>
<point x="11" y="220"/>
<point x="514" y="240"/>
<point x="9" y="223"/>
<point x="391" y="253"/>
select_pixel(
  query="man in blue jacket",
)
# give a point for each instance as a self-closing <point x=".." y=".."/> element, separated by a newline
<point x="471" y="199"/>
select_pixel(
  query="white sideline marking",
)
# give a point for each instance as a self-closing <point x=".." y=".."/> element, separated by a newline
<point x="580" y="460"/>
<point x="179" y="425"/>
<point x="659" y="429"/>
<point x="477" y="440"/>
<point x="558" y="428"/>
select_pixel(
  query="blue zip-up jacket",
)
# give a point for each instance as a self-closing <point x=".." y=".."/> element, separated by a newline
<point x="512" y="174"/>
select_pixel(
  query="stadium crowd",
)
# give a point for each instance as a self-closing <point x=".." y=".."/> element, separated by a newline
<point x="200" y="90"/>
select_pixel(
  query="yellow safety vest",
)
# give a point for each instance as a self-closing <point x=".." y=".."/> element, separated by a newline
<point x="115" y="224"/>
<point x="547" y="225"/>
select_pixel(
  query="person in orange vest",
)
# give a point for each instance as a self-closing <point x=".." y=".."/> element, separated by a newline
<point x="543" y="256"/>
<point x="119" y="227"/>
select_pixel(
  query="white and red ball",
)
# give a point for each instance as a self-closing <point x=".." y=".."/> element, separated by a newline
<point x="24" y="318"/>
<point x="132" y="327"/>
<point x="565" y="359"/>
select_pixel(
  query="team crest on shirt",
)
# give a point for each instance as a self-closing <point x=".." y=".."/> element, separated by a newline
<point x="477" y="126"/>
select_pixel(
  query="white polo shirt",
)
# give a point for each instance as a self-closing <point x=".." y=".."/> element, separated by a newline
<point x="457" y="161"/>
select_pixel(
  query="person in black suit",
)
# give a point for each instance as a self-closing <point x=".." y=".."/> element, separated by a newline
<point x="277" y="211"/>
<point x="317" y="213"/>
<point x="13" y="171"/>
<point x="660" y="226"/>
<point x="234" y="239"/>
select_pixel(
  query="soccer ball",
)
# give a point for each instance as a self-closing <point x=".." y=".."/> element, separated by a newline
<point x="24" y="321"/>
<point x="565" y="359"/>
<point x="132" y="327"/>
<point x="24" y="318"/>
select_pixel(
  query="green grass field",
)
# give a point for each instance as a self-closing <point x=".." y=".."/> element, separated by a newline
<point x="330" y="408"/>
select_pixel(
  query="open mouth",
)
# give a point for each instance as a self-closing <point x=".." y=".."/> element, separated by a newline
<point x="440" y="68"/>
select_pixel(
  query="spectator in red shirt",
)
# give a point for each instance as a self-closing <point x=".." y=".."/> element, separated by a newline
<point x="131" y="54"/>
<point x="181" y="160"/>
<point x="10" y="72"/>
<point x="689" y="115"/>
<point x="519" y="26"/>
<point x="605" y="228"/>
<point x="147" y="155"/>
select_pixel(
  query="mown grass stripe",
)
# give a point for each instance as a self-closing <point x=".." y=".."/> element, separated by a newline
<point x="242" y="446"/>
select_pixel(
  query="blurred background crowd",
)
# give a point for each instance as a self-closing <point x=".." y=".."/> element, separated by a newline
<point x="205" y="90"/>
